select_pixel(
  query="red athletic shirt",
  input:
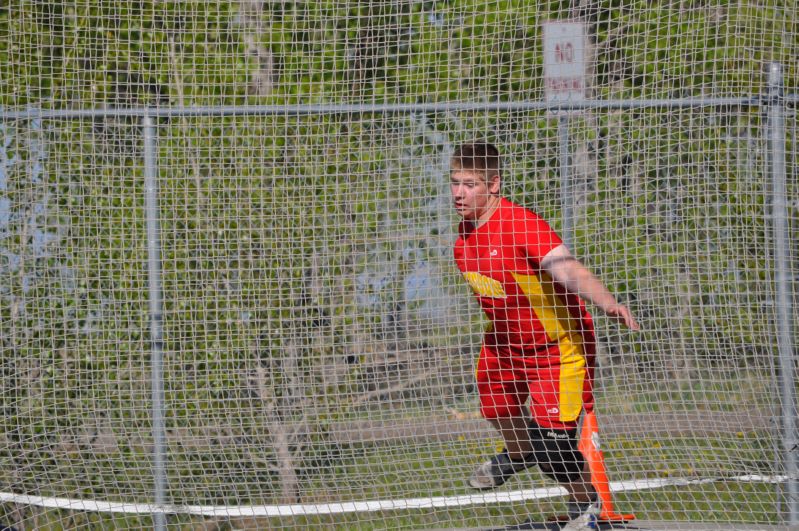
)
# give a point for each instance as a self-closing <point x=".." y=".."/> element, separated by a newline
<point x="532" y="316"/>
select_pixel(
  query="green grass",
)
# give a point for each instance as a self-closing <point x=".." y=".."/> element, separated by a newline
<point x="373" y="472"/>
<point x="243" y="474"/>
<point x="713" y="392"/>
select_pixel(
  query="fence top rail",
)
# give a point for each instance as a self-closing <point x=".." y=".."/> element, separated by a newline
<point x="33" y="113"/>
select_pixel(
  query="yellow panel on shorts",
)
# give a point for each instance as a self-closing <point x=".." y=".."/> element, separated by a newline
<point x="572" y="377"/>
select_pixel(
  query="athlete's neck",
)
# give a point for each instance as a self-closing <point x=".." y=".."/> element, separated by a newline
<point x="491" y="206"/>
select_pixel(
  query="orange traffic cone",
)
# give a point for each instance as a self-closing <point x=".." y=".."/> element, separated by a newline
<point x="589" y="446"/>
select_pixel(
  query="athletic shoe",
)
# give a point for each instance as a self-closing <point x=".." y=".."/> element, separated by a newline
<point x="498" y="470"/>
<point x="585" y="519"/>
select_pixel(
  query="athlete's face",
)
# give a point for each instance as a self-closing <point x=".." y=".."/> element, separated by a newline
<point x="473" y="195"/>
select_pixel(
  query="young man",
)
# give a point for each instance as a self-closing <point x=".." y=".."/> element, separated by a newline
<point x="540" y="345"/>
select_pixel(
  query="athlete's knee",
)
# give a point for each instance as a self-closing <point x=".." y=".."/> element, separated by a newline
<point x="566" y="469"/>
<point x="557" y="454"/>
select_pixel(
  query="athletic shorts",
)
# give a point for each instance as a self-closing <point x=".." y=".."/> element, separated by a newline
<point x="557" y="393"/>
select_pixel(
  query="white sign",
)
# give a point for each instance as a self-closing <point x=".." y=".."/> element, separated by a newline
<point x="564" y="61"/>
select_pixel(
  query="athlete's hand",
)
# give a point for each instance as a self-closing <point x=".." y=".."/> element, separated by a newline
<point x="622" y="314"/>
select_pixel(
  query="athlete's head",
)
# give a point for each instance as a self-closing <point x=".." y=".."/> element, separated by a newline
<point x="475" y="180"/>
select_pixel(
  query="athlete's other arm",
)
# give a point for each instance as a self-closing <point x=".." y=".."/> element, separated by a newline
<point x="576" y="278"/>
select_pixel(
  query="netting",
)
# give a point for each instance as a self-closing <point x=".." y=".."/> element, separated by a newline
<point x="228" y="292"/>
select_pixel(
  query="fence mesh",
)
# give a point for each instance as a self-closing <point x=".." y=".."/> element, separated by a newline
<point x="318" y="343"/>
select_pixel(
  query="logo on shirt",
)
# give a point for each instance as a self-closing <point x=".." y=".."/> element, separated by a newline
<point x="494" y="252"/>
<point x="485" y="286"/>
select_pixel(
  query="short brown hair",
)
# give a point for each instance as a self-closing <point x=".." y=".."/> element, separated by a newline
<point x="477" y="156"/>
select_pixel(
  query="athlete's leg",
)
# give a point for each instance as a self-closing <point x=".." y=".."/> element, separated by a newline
<point x="515" y="433"/>
<point x="502" y="398"/>
<point x="581" y="490"/>
<point x="559" y="458"/>
<point x="558" y="396"/>
<point x="517" y="455"/>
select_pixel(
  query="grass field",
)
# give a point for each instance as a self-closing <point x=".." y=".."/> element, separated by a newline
<point x="440" y="470"/>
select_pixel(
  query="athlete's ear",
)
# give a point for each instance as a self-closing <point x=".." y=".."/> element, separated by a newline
<point x="494" y="183"/>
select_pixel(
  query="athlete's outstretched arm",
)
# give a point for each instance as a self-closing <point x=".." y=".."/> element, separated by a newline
<point x="576" y="278"/>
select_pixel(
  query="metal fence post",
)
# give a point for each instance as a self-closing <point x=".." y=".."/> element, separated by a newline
<point x="782" y="288"/>
<point x="156" y="318"/>
<point x="566" y="189"/>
